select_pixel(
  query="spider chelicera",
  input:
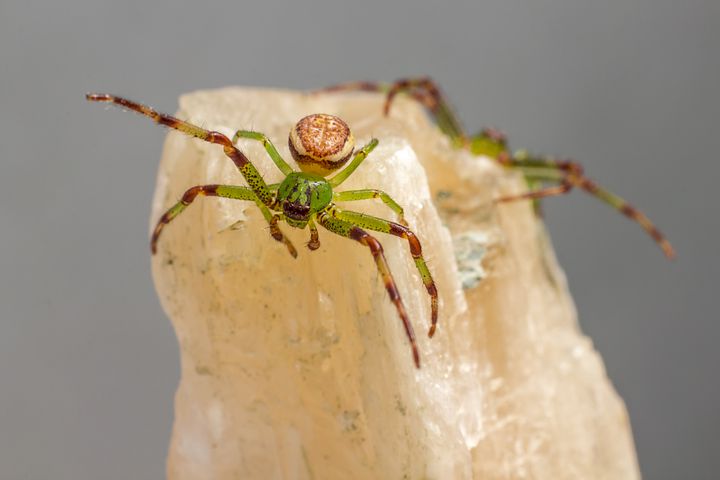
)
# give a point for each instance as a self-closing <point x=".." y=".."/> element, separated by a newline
<point x="561" y="175"/>
<point x="320" y="144"/>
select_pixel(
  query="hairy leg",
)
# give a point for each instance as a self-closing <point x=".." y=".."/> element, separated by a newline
<point x="366" y="194"/>
<point x="248" y="170"/>
<point x="422" y="89"/>
<point x="225" y="191"/>
<point x="385" y="226"/>
<point x="348" y="230"/>
<point x="570" y="174"/>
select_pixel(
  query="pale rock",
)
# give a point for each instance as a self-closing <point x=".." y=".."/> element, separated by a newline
<point x="300" y="369"/>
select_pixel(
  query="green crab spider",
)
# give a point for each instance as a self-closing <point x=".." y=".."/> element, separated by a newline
<point x="320" y="144"/>
<point x="561" y="176"/>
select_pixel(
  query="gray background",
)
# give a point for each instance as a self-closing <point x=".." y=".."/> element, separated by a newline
<point x="88" y="361"/>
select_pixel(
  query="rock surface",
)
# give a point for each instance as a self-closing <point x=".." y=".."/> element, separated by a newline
<point x="300" y="369"/>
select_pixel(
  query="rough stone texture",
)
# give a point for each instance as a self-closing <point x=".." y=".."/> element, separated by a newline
<point x="299" y="368"/>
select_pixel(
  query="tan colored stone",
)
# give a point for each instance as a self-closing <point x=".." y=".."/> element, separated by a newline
<point x="299" y="368"/>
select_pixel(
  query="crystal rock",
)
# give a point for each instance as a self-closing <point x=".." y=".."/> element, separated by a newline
<point x="300" y="368"/>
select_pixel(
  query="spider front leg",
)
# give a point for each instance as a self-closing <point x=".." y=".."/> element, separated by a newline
<point x="353" y="195"/>
<point x="248" y="170"/>
<point x="385" y="226"/>
<point x="269" y="148"/>
<point x="225" y="191"/>
<point x="348" y="230"/>
<point x="359" y="157"/>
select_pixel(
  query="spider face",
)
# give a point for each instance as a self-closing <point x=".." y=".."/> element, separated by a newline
<point x="301" y="195"/>
<point x="321" y="143"/>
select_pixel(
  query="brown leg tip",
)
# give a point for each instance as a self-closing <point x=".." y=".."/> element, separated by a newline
<point x="416" y="357"/>
<point x="431" y="332"/>
<point x="97" y="97"/>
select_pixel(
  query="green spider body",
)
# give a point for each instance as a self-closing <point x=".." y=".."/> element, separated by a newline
<point x="320" y="144"/>
<point x="302" y="195"/>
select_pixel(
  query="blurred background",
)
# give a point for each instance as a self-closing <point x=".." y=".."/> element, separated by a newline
<point x="89" y="362"/>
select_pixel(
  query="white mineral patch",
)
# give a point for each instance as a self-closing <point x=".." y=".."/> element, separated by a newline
<point x="300" y="369"/>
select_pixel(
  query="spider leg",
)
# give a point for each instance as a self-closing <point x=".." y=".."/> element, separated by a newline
<point x="422" y="89"/>
<point x="385" y="226"/>
<point x="359" y="157"/>
<point x="275" y="231"/>
<point x="225" y="191"/>
<point x="439" y="107"/>
<point x="248" y="170"/>
<point x="353" y="195"/>
<point x="571" y="174"/>
<point x="269" y="148"/>
<point x="314" y="242"/>
<point x="379" y="87"/>
<point x="552" y="191"/>
<point x="348" y="230"/>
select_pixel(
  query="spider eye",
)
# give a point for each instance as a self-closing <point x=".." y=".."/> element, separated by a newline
<point x="321" y="143"/>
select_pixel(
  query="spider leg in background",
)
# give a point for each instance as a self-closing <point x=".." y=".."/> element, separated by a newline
<point x="422" y="89"/>
<point x="224" y="191"/>
<point x="570" y="174"/>
<point x="248" y="170"/>
<point x="377" y="87"/>
<point x="366" y="194"/>
<point x="385" y="226"/>
<point x="348" y="230"/>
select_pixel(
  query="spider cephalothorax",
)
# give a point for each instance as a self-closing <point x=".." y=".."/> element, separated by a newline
<point x="561" y="175"/>
<point x="321" y="144"/>
<point x="303" y="195"/>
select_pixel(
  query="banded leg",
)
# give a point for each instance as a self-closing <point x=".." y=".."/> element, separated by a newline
<point x="385" y="226"/>
<point x="275" y="231"/>
<point x="377" y="87"/>
<point x="347" y="229"/>
<point x="269" y="148"/>
<point x="422" y="89"/>
<point x="438" y="106"/>
<point x="353" y="195"/>
<point x="248" y="170"/>
<point x="539" y="193"/>
<point x="314" y="242"/>
<point x="571" y="174"/>
<point x="225" y="191"/>
<point x="359" y="157"/>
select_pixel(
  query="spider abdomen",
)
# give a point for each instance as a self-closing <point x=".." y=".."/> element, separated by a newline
<point x="321" y="143"/>
<point x="301" y="195"/>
